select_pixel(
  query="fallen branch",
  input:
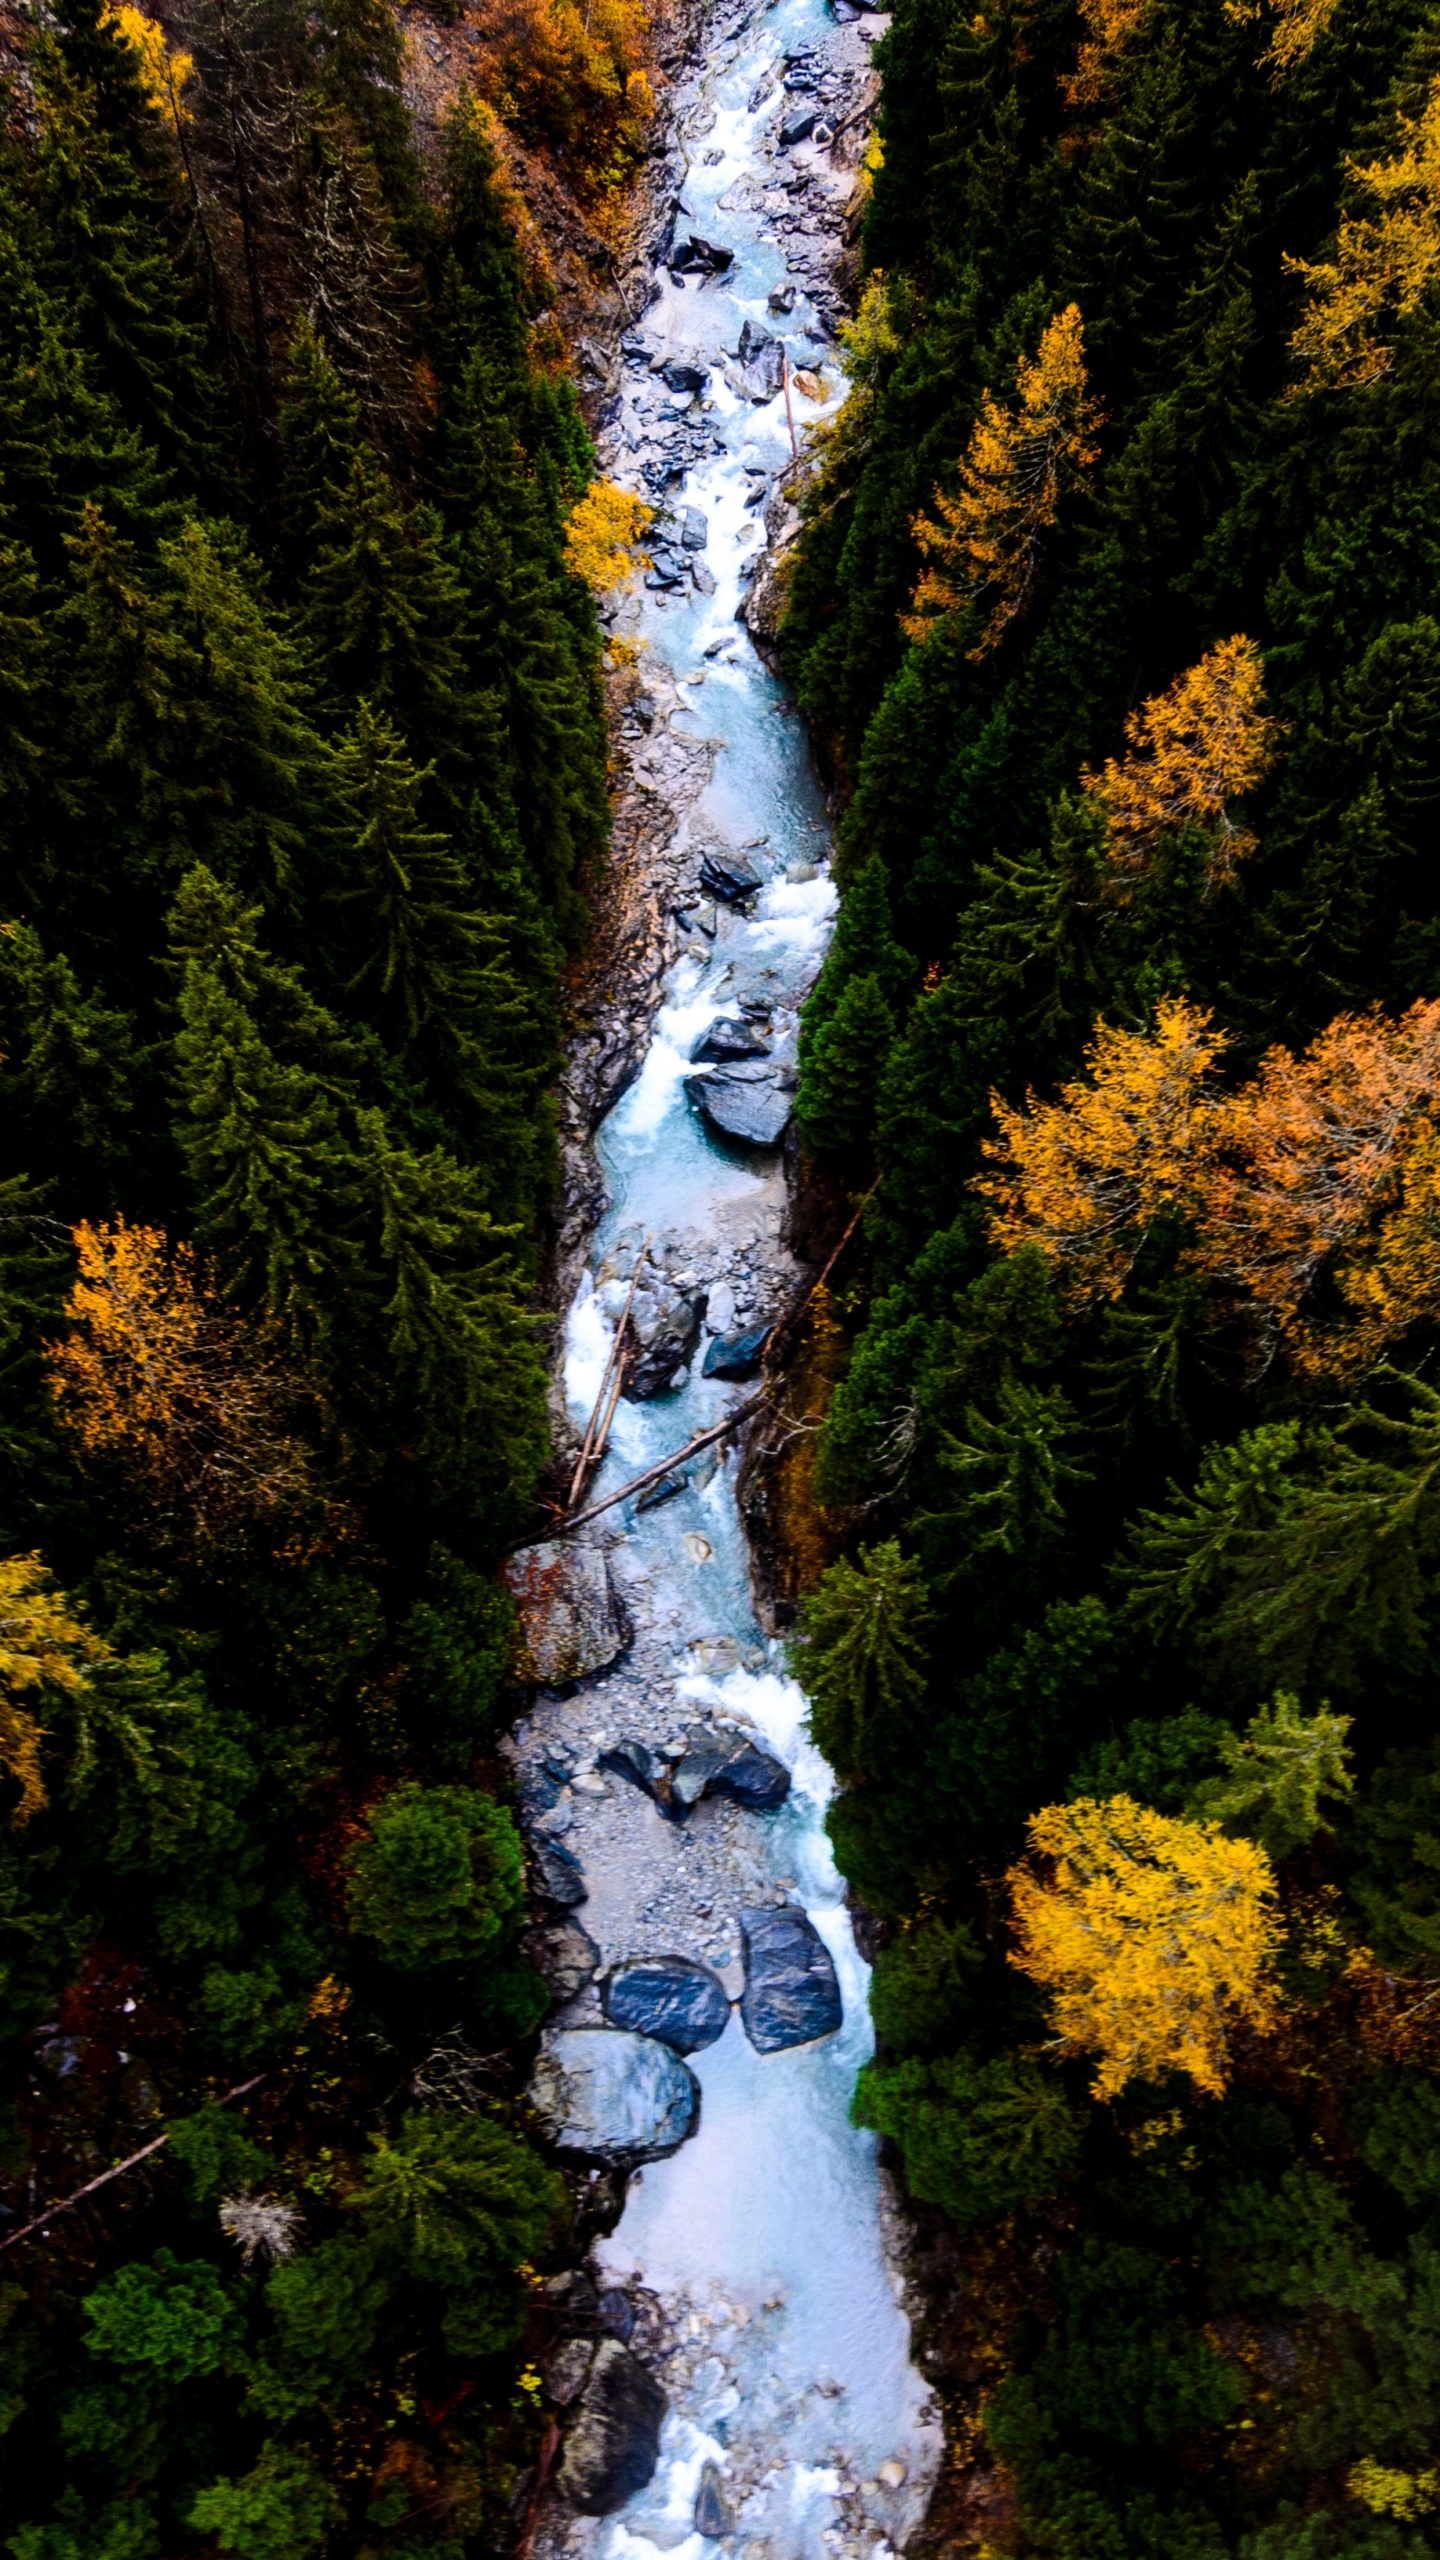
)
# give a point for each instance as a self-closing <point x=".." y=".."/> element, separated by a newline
<point x="637" y="1484"/>
<point x="12" y="2238"/>
<point x="592" y="1448"/>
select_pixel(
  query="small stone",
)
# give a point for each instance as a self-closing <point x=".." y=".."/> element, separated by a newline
<point x="891" y="2474"/>
<point x="712" y="2517"/>
<point x="566" y="2367"/>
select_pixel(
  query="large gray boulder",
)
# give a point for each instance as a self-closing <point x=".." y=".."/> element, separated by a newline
<point x="725" y="1039"/>
<point x="614" y="2441"/>
<point x="571" y="1620"/>
<point x="729" y="875"/>
<point x="736" y="1355"/>
<point x="564" y="1956"/>
<point x="739" y="1770"/>
<point x="609" y="2095"/>
<point x="556" y="1872"/>
<point x="672" y="1997"/>
<point x="791" y="1995"/>
<point x="749" y="1107"/>
<point x="763" y="359"/>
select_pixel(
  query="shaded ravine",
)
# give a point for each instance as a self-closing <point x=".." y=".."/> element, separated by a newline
<point x="753" y="2258"/>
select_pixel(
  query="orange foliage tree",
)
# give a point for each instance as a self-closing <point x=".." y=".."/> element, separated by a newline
<point x="1385" y="261"/>
<point x="1153" y="1936"/>
<point x="1313" y="1150"/>
<point x="1190" y="753"/>
<point x="43" y="1644"/>
<point x="1081" y="1177"/>
<point x="602" y="537"/>
<point x="1020" y="458"/>
<point x="158" y="1373"/>
<point x="575" y="78"/>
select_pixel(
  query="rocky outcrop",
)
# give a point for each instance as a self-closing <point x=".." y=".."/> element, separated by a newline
<point x="791" y="1995"/>
<point x="565" y="1957"/>
<point x="744" y="1103"/>
<point x="571" y="1619"/>
<point x="710" y="1767"/>
<point x="608" y="2095"/>
<point x="669" y="1329"/>
<point x="613" y="2442"/>
<point x="672" y="1997"/>
<point x="554" y="1873"/>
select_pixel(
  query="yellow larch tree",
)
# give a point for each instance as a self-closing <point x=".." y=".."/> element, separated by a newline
<point x="1385" y="261"/>
<point x="156" y="1372"/>
<point x="165" y="71"/>
<point x="1111" y="27"/>
<point x="1153" y="1936"/>
<point x="1081" y="1177"/>
<point x="1393" y="1280"/>
<point x="602" y="537"/>
<point x="1190" y="754"/>
<point x="1312" y="1151"/>
<point x="1296" y="27"/>
<point x="44" y="1643"/>
<point x="1022" y="455"/>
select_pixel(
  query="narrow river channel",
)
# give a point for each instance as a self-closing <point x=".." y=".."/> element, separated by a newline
<point x="775" y="2326"/>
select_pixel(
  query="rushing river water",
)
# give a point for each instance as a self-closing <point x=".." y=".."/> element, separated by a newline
<point x="762" y="2236"/>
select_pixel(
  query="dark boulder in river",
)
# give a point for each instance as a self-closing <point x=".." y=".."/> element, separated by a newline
<point x="791" y="1995"/>
<point x="614" y="2443"/>
<point x="725" y="1039"/>
<point x="753" y="1778"/>
<point x="558" y="1876"/>
<point x="727" y="875"/>
<point x="752" y="1109"/>
<point x="736" y="1355"/>
<point x="672" y="1997"/>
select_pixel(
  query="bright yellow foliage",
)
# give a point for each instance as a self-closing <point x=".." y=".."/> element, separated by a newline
<point x="42" y="1643"/>
<point x="602" y="533"/>
<point x="1110" y="27"/>
<point x="158" y="1372"/>
<point x="1020" y="457"/>
<point x="1385" y="261"/>
<point x="1081" y="1176"/>
<point x="1296" y="29"/>
<point x="1403" y="2494"/>
<point x="165" y="73"/>
<point x="1190" y="752"/>
<point x="1154" y="1937"/>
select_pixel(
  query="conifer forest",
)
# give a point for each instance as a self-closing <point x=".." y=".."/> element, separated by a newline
<point x="1095" y="1497"/>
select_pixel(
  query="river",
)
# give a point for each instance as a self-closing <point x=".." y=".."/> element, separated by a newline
<point x="777" y="2327"/>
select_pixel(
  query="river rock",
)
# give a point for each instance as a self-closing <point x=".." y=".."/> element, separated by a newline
<point x="758" y="1114"/>
<point x="555" y="1873"/>
<point x="611" y="2095"/>
<point x="729" y="875"/>
<point x="694" y="530"/>
<point x="762" y="358"/>
<point x="565" y="1957"/>
<point x="712" y="2518"/>
<point x="566" y="2367"/>
<point x="664" y="1491"/>
<point x="681" y="375"/>
<point x="644" y="1769"/>
<point x="672" y="1997"/>
<point x="795" y="126"/>
<point x="707" y="255"/>
<point x="614" y="2442"/>
<point x="704" y="578"/>
<point x="791" y="1995"/>
<point x="781" y="297"/>
<point x="754" y="1778"/>
<point x="736" y="1355"/>
<point x="725" y="1039"/>
<point x="571" y="1620"/>
<point x="669" y="1329"/>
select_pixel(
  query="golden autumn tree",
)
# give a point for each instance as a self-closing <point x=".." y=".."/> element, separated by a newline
<point x="1385" y="261"/>
<point x="1391" y="1277"/>
<point x="985" y="549"/>
<point x="1296" y="27"/>
<point x="1190" y="754"/>
<point x="1153" y="1937"/>
<point x="1111" y="27"/>
<point x="43" y="1644"/>
<point x="1081" y="1177"/>
<point x="158" y="1374"/>
<point x="165" y="71"/>
<point x="602" y="537"/>
<point x="1312" y="1151"/>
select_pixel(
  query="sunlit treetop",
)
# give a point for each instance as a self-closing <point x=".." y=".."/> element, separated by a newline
<point x="1190" y="754"/>
<point x="1022" y="456"/>
<point x="1152" y="1936"/>
<point x="165" y="71"/>
<point x="44" y="1643"/>
<point x="602" y="537"/>
<point x="1385" y="261"/>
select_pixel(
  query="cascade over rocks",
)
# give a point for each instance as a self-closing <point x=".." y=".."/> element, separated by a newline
<point x="611" y="2095"/>
<point x="614" y="2443"/>
<point x="672" y="1997"/>
<point x="791" y="1995"/>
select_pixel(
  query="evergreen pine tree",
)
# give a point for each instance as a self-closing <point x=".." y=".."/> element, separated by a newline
<point x="846" y="1060"/>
